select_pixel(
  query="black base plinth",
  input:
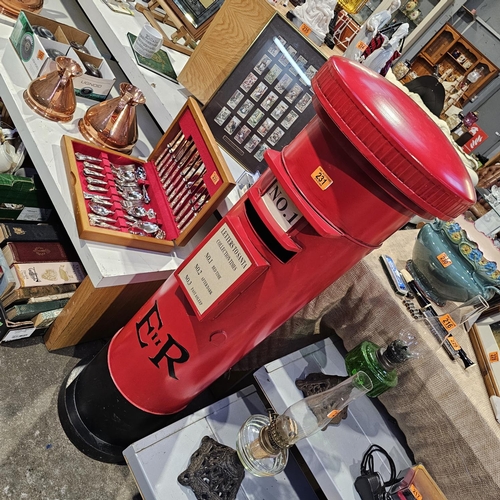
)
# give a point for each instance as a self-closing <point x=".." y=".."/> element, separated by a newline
<point x="98" y="419"/>
<point x="76" y="430"/>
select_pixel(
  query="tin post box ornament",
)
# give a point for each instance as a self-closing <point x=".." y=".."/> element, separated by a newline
<point x="361" y="168"/>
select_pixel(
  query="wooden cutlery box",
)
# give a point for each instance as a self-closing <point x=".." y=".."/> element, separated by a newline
<point x="186" y="178"/>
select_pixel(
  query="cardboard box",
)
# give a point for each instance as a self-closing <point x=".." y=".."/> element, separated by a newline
<point x="23" y="199"/>
<point x="32" y="50"/>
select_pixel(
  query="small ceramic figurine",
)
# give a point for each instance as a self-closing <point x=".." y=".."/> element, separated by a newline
<point x="410" y="6"/>
<point x="317" y="14"/>
<point x="414" y="15"/>
<point x="366" y="33"/>
<point x="378" y="58"/>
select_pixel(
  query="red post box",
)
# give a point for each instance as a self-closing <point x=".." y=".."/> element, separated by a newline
<point x="367" y="163"/>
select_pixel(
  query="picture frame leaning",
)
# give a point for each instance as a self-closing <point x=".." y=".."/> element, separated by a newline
<point x="267" y="99"/>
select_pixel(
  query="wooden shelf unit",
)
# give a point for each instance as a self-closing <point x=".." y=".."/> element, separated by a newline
<point x="444" y="51"/>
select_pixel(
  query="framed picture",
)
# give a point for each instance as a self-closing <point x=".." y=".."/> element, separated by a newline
<point x="485" y="339"/>
<point x="267" y="99"/>
<point x="195" y="14"/>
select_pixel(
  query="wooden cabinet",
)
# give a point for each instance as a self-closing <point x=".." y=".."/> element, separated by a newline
<point x="457" y="62"/>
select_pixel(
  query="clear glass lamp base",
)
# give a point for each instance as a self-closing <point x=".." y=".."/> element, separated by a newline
<point x="247" y="446"/>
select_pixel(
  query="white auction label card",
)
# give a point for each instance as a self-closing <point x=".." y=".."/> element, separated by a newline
<point x="18" y="334"/>
<point x="34" y="214"/>
<point x="214" y="268"/>
<point x="281" y="207"/>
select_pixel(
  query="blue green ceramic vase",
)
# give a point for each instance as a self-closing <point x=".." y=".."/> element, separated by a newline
<point x="447" y="265"/>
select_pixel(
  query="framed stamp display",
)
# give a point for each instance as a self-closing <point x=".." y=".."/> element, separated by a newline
<point x="267" y="99"/>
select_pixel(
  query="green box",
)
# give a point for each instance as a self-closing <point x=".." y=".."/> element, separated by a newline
<point x="23" y="199"/>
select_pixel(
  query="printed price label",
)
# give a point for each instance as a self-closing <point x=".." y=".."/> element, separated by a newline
<point x="333" y="413"/>
<point x="415" y="492"/>
<point x="447" y="321"/>
<point x="454" y="343"/>
<point x="305" y="30"/>
<point x="444" y="259"/>
<point x="321" y="178"/>
<point x="494" y="357"/>
<point x="361" y="45"/>
<point x="215" y="177"/>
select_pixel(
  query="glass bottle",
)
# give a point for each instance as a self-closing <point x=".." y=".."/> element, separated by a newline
<point x="476" y="74"/>
<point x="378" y="363"/>
<point x="263" y="442"/>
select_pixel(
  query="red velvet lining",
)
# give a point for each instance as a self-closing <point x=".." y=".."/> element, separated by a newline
<point x="164" y="216"/>
<point x="189" y="127"/>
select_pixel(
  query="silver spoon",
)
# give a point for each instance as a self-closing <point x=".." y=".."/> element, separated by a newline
<point x="88" y="171"/>
<point x="148" y="227"/>
<point x="135" y="211"/>
<point x="124" y="175"/>
<point x="132" y="195"/>
<point x="137" y="232"/>
<point x="82" y="157"/>
<point x="130" y="218"/>
<point x="103" y="200"/>
<point x="101" y="218"/>
<point x="104" y="225"/>
<point x="129" y="167"/>
<point x="99" y="209"/>
<point x="91" y="187"/>
<point x="126" y="184"/>
<point x="92" y="180"/>
<point x="131" y="203"/>
<point x="86" y="164"/>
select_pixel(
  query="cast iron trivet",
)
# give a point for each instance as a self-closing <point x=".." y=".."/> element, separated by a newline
<point x="316" y="383"/>
<point x="214" y="472"/>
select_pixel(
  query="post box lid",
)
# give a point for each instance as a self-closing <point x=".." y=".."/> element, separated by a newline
<point x="396" y="136"/>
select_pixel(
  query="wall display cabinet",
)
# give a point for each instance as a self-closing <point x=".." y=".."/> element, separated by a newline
<point x="419" y="14"/>
<point x="463" y="70"/>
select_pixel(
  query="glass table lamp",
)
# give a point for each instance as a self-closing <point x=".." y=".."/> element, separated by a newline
<point x="263" y="442"/>
<point x="380" y="362"/>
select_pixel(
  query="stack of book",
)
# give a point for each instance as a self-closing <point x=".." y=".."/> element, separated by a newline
<point x="39" y="277"/>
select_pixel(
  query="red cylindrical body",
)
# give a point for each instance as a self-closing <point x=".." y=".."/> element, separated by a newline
<point x="367" y="162"/>
<point x="355" y="174"/>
